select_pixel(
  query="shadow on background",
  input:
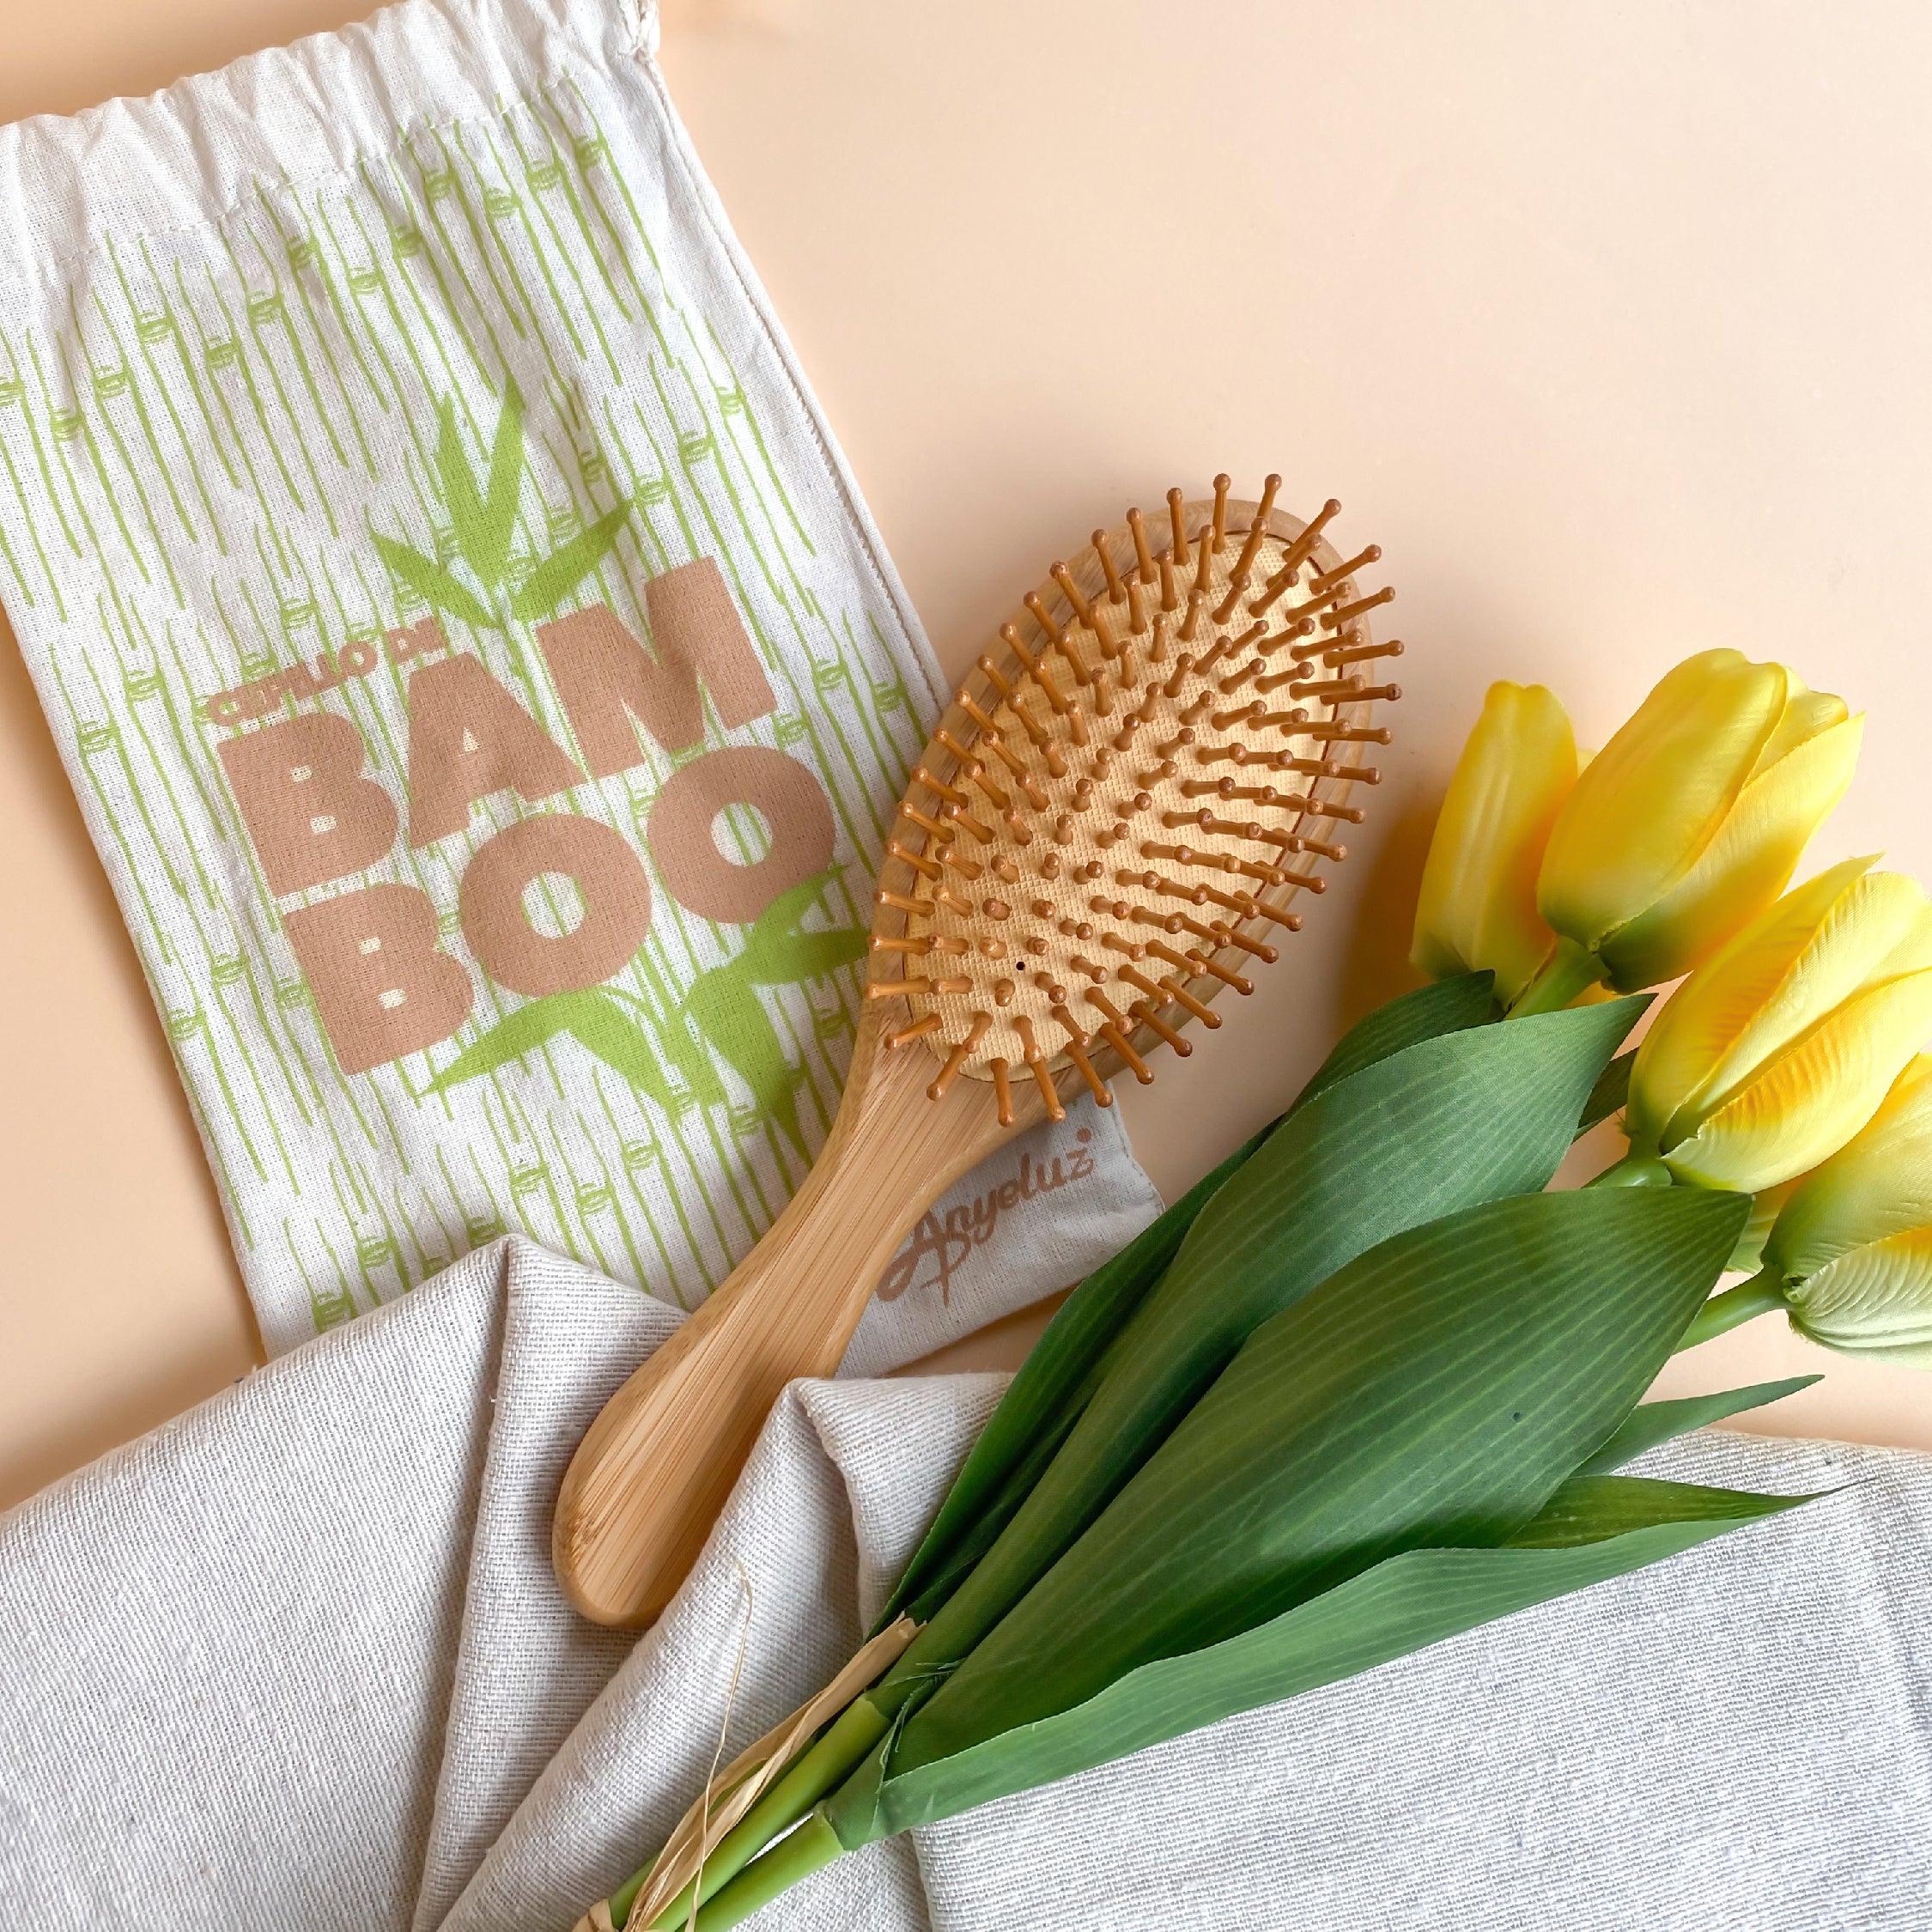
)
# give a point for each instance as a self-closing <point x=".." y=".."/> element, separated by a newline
<point x="1375" y="964"/>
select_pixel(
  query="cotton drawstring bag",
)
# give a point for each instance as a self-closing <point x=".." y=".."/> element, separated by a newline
<point x="484" y="686"/>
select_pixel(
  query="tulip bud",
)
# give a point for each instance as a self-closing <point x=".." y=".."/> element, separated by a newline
<point x="1771" y="1055"/>
<point x="1476" y="908"/>
<point x="1691" y="820"/>
<point x="1851" y="1250"/>
<point x="1849" y="1256"/>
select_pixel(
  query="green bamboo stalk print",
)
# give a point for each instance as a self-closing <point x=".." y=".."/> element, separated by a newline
<point x="454" y="386"/>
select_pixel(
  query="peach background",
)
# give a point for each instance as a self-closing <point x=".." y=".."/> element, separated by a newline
<point x="1607" y="323"/>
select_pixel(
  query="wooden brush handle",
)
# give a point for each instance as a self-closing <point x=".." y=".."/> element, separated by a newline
<point x="649" y="1478"/>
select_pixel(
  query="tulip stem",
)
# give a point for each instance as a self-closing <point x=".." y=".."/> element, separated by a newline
<point x="1633" y="1170"/>
<point x="1566" y="973"/>
<point x="1745" y="1303"/>
<point x="809" y="1849"/>
<point x="812" y="1775"/>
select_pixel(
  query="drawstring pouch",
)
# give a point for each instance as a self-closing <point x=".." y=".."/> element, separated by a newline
<point x="484" y="686"/>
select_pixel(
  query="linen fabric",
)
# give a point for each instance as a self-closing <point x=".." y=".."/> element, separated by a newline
<point x="297" y="1660"/>
<point x="482" y="680"/>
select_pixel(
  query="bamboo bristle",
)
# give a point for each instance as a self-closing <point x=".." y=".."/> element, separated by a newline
<point x="1043" y="616"/>
<point x="1144" y="1010"/>
<point x="1320" y="808"/>
<point x="1178" y="992"/>
<point x="1002" y="1093"/>
<point x="1257" y="534"/>
<point x="1121" y="1045"/>
<point x="1071" y="590"/>
<point x="1037" y="1064"/>
<point x="1069" y="650"/>
<point x="1076" y="1050"/>
<point x="1037" y="673"/>
<point x="957" y="1058"/>
<point x="1289" y="922"/>
<point x="1256" y="949"/>
<point x="1340" y="572"/>
<point x="1338" y="655"/>
<point x="1302" y="548"/>
<point x="935" y="829"/>
<point x="1201" y="961"/>
<point x="1273" y="591"/>
<point x="1348" y="612"/>
<point x="950" y="793"/>
<point x="1101" y="809"/>
<point x="1328" y="689"/>
<point x="1116" y="591"/>
<point x="919" y="863"/>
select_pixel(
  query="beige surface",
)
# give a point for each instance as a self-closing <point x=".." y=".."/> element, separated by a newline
<point x="1607" y="323"/>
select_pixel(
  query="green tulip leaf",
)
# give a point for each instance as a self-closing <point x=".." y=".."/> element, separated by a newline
<point x="1588" y="1507"/>
<point x="1045" y="1399"/>
<point x="1399" y="1605"/>
<point x="1443" y="1006"/>
<point x="1435" y="1390"/>
<point x="1652" y="1424"/>
<point x="1609" y="1095"/>
<point x="1060" y="1373"/>
<point x="566" y="567"/>
<point x="432" y="582"/>
<point x="1470" y="1115"/>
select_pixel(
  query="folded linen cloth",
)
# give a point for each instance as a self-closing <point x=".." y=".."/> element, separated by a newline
<point x="296" y="1662"/>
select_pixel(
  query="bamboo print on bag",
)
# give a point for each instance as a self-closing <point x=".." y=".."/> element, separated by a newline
<point x="486" y="692"/>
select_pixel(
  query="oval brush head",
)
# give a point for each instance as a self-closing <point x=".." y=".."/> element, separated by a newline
<point x="1113" y="819"/>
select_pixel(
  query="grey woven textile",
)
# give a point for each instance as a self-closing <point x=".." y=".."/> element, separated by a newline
<point x="296" y="1661"/>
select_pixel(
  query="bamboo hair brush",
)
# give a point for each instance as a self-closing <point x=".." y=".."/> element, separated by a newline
<point x="1105" y="832"/>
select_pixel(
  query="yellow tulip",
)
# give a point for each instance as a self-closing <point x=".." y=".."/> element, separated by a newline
<point x="1852" y="1249"/>
<point x="1688" y="823"/>
<point x="1476" y="908"/>
<point x="1773" y="1053"/>
<point x="1849" y="1258"/>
